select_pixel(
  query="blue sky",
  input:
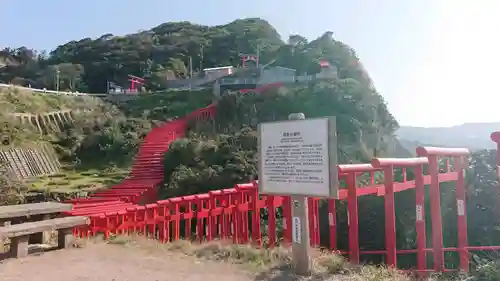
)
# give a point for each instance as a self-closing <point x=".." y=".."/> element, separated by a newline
<point x="421" y="54"/>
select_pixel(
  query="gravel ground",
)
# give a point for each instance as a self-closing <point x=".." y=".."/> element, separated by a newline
<point x="102" y="262"/>
<point x="107" y="262"/>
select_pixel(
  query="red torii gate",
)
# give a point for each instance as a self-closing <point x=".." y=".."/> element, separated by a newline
<point x="135" y="80"/>
<point x="495" y="137"/>
<point x="245" y="58"/>
<point x="228" y="213"/>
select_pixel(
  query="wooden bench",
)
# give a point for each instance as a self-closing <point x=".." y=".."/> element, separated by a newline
<point x="18" y="211"/>
<point x="16" y="214"/>
<point x="19" y="233"/>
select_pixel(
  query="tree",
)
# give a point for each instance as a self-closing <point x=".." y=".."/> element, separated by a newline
<point x="70" y="76"/>
<point x="178" y="67"/>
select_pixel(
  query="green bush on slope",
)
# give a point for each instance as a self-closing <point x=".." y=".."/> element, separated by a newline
<point x="166" y="104"/>
<point x="198" y="164"/>
<point x="100" y="141"/>
<point x="228" y="146"/>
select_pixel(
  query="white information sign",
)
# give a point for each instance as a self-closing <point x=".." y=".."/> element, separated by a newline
<point x="460" y="207"/>
<point x="331" y="221"/>
<point x="299" y="157"/>
<point x="296" y="230"/>
<point x="420" y="213"/>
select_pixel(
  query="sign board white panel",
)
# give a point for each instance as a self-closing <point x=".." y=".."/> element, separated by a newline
<point x="296" y="230"/>
<point x="460" y="207"/>
<point x="298" y="157"/>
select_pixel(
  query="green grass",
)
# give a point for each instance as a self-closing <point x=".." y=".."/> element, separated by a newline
<point x="16" y="100"/>
<point x="77" y="181"/>
<point x="25" y="101"/>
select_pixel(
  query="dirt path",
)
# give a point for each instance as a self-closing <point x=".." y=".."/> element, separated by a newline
<point x="101" y="262"/>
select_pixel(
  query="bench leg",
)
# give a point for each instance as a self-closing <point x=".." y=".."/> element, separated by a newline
<point x="19" y="246"/>
<point x="65" y="238"/>
<point x="2" y="240"/>
<point x="42" y="237"/>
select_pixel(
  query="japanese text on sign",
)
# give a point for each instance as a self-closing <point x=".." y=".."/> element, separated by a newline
<point x="295" y="157"/>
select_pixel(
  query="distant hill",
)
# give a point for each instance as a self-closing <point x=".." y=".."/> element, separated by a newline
<point x="409" y="146"/>
<point x="473" y="136"/>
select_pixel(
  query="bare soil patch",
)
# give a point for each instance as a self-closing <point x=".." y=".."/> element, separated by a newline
<point x="104" y="262"/>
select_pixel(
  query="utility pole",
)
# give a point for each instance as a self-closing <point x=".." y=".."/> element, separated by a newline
<point x="201" y="58"/>
<point x="190" y="67"/>
<point x="57" y="79"/>
<point x="258" y="56"/>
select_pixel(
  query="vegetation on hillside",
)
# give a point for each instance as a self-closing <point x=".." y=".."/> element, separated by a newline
<point x="14" y="100"/>
<point x="222" y="155"/>
<point x="166" y="105"/>
<point x="104" y="137"/>
<point x="87" y="64"/>
<point x="102" y="141"/>
<point x="101" y="134"/>
<point x="18" y="100"/>
<point x="156" y="54"/>
<point x="163" y="53"/>
<point x="225" y="153"/>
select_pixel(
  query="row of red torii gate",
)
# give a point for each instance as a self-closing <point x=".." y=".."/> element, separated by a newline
<point x="235" y="213"/>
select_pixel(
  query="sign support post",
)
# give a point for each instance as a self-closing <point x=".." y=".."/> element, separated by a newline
<point x="301" y="251"/>
<point x="299" y="158"/>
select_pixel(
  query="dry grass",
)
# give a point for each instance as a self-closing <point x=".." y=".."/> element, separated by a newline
<point x="267" y="264"/>
<point x="258" y="259"/>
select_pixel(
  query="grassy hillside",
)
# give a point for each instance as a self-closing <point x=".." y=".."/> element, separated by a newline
<point x="96" y="149"/>
<point x="18" y="100"/>
<point x="15" y="100"/>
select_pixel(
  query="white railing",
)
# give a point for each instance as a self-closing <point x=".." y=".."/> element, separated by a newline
<point x="236" y="81"/>
<point x="44" y="91"/>
<point x="268" y="79"/>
